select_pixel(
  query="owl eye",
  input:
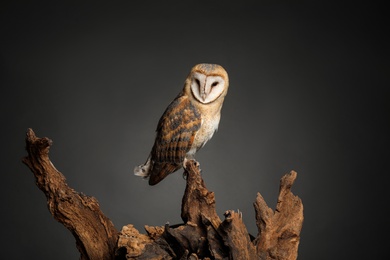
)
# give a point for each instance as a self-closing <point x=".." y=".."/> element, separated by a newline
<point x="197" y="82"/>
<point x="214" y="84"/>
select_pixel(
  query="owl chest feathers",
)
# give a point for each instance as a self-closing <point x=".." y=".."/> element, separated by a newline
<point x="183" y="129"/>
<point x="209" y="125"/>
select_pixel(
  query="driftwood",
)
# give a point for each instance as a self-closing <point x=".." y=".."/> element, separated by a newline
<point x="202" y="236"/>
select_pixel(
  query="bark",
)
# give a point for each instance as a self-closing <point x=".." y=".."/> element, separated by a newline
<point x="96" y="236"/>
<point x="278" y="231"/>
<point x="203" y="235"/>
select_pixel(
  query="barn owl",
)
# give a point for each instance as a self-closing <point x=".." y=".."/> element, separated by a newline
<point x="187" y="123"/>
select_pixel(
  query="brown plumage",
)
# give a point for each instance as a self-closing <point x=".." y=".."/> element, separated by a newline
<point x="175" y="135"/>
<point x="188" y="122"/>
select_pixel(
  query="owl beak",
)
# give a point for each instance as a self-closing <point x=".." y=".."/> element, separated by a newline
<point x="203" y="95"/>
<point x="203" y="92"/>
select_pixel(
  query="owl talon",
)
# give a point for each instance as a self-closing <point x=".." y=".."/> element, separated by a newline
<point x="197" y="164"/>
<point x="185" y="163"/>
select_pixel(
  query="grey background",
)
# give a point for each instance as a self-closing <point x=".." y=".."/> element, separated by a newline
<point x="308" y="87"/>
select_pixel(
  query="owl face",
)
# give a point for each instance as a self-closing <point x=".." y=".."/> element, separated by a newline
<point x="207" y="82"/>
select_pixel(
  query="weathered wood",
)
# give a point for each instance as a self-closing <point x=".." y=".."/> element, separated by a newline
<point x="236" y="237"/>
<point x="278" y="232"/>
<point x="202" y="235"/>
<point x="95" y="235"/>
<point x="133" y="245"/>
<point x="197" y="200"/>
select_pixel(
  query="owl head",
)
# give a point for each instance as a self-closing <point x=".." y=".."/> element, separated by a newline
<point x="207" y="83"/>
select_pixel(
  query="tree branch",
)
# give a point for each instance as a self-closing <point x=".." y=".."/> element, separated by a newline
<point x="279" y="231"/>
<point x="95" y="235"/>
<point x="202" y="235"/>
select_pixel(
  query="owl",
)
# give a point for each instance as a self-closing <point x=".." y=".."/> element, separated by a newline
<point x="187" y="123"/>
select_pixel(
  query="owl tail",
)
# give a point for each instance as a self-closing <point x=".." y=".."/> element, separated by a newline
<point x="162" y="170"/>
<point x="143" y="170"/>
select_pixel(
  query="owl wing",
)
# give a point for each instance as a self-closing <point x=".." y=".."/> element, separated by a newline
<point x="176" y="132"/>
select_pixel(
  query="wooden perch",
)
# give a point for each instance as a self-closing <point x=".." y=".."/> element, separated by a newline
<point x="202" y="236"/>
<point x="278" y="236"/>
<point x="96" y="236"/>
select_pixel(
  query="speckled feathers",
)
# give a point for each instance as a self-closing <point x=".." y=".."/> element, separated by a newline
<point x="188" y="122"/>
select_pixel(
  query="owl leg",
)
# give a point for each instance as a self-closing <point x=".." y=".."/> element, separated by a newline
<point x="189" y="158"/>
<point x="185" y="163"/>
<point x="186" y="159"/>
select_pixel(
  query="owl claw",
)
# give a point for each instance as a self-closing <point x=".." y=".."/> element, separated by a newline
<point x="185" y="163"/>
<point x="195" y="162"/>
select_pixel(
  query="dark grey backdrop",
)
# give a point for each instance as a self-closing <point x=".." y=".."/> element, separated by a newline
<point x="307" y="92"/>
